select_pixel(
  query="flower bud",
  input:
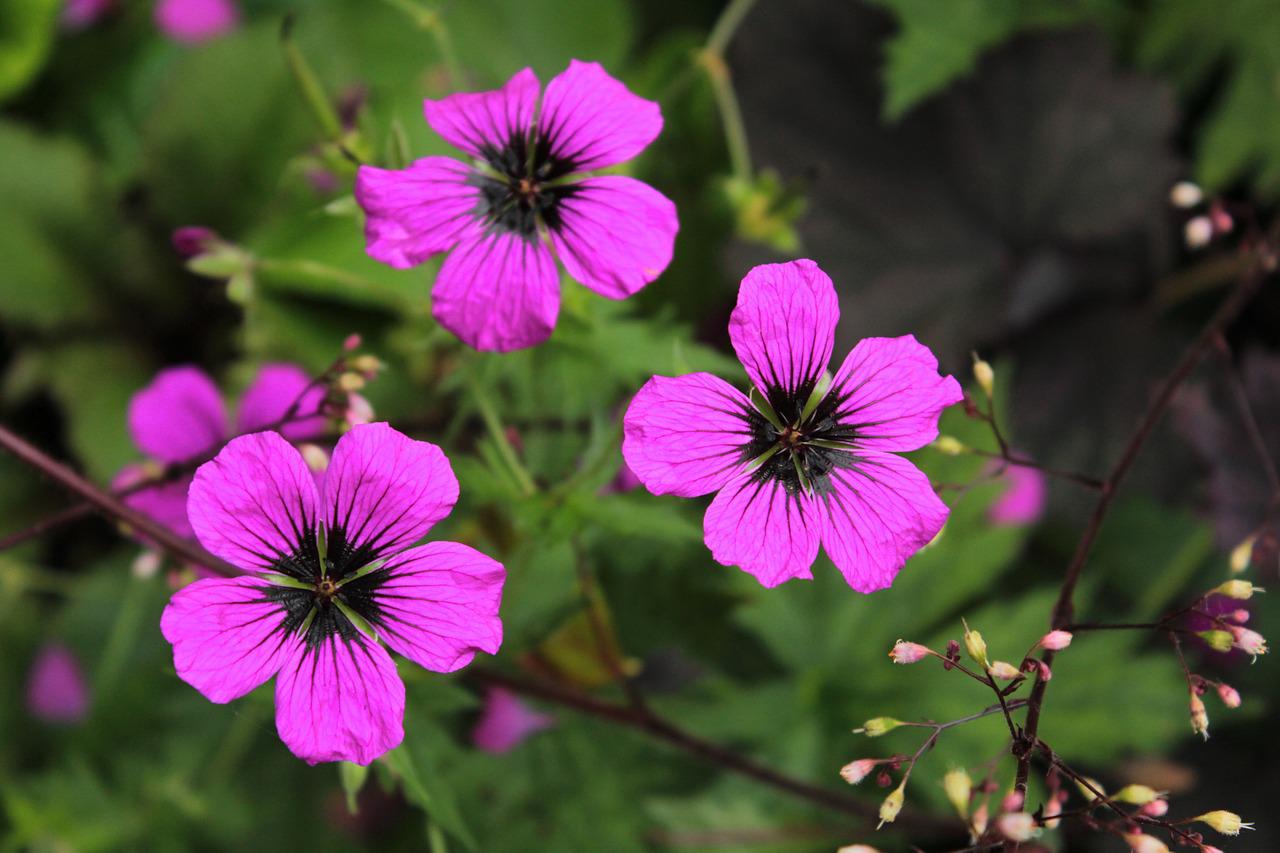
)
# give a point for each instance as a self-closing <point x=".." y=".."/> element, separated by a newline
<point x="1228" y="823"/>
<point x="1095" y="784"/>
<point x="1138" y="795"/>
<point x="878" y="726"/>
<point x="855" y="771"/>
<point x="1056" y="641"/>
<point x="1052" y="809"/>
<point x="1185" y="194"/>
<point x="1199" y="716"/>
<point x="1017" y="826"/>
<point x="1229" y="695"/>
<point x="1250" y="642"/>
<point x="1237" y="588"/>
<point x="1142" y="843"/>
<point x="1012" y="801"/>
<point x="975" y="646"/>
<point x="367" y="365"/>
<point x="948" y="445"/>
<point x="352" y="343"/>
<point x="1242" y="555"/>
<point x="857" y="848"/>
<point x="985" y="376"/>
<point x="1155" y="808"/>
<point x="1219" y="641"/>
<point x="958" y="787"/>
<point x="1197" y="232"/>
<point x="350" y="382"/>
<point x="904" y="652"/>
<point x="1003" y="670"/>
<point x="1239" y="615"/>
<point x="191" y="240"/>
<point x="978" y="825"/>
<point x="892" y="805"/>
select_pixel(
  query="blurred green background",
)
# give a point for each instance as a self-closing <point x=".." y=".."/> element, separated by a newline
<point x="987" y="174"/>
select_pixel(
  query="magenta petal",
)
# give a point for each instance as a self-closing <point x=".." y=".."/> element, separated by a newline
<point x="273" y="392"/>
<point x="476" y="122"/>
<point x="179" y="416"/>
<point x="195" y="20"/>
<point x="593" y="120"/>
<point x="784" y="324"/>
<point x="498" y="292"/>
<point x="685" y="435"/>
<point x="615" y="234"/>
<point x="438" y="605"/>
<point x="163" y="502"/>
<point x="878" y="514"/>
<point x="1024" y="498"/>
<point x="891" y="392"/>
<point x="384" y="490"/>
<point x="411" y="214"/>
<point x="254" y="505"/>
<point x="506" y="722"/>
<point x="227" y="637"/>
<point x="340" y="700"/>
<point x="759" y="527"/>
<point x="56" y="690"/>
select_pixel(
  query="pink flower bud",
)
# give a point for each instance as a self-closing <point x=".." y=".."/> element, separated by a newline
<point x="1140" y="843"/>
<point x="1012" y="802"/>
<point x="1056" y="641"/>
<point x="855" y="771"/>
<point x="1155" y="808"/>
<point x="1229" y="695"/>
<point x="1250" y="642"/>
<point x="904" y="652"/>
<point x="1241" y="616"/>
<point x="191" y="240"/>
<point x="352" y="343"/>
<point x="1016" y="826"/>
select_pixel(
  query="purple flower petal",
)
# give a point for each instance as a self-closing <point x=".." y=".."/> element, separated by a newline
<point x="273" y="393"/>
<point x="194" y="21"/>
<point x="506" y="722"/>
<point x="891" y="392"/>
<point x="759" y="527"/>
<point x="615" y="234"/>
<point x="383" y="491"/>
<point x="227" y="637"/>
<point x="254" y="505"/>
<point x="784" y="324"/>
<point x="163" y="502"/>
<point x="78" y="14"/>
<point x="438" y="605"/>
<point x="481" y="122"/>
<point x="593" y="120"/>
<point x="1024" y="498"/>
<point x="878" y="514"/>
<point x="178" y="416"/>
<point x="340" y="700"/>
<point x="685" y="435"/>
<point x="411" y="214"/>
<point x="498" y="292"/>
<point x="56" y="690"/>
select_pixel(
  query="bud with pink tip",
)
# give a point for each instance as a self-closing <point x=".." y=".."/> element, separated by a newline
<point x="904" y="652"/>
<point x="191" y="240"/>
<point x="1239" y="615"/>
<point x="1155" y="808"/>
<point x="855" y="771"/>
<point x="857" y="848"/>
<point x="1017" y="826"/>
<point x="1052" y="809"/>
<point x="1142" y="843"/>
<point x="1039" y="667"/>
<point x="1250" y="642"/>
<point x="352" y="343"/>
<point x="1012" y="801"/>
<point x="1056" y="641"/>
<point x="1229" y="695"/>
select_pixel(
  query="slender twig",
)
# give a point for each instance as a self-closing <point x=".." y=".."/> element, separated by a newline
<point x="602" y="636"/>
<point x="111" y="507"/>
<point x="1022" y="462"/>
<point x="712" y="59"/>
<point x="1243" y="407"/>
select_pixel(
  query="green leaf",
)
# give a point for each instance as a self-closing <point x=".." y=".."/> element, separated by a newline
<point x="353" y="777"/>
<point x="26" y="34"/>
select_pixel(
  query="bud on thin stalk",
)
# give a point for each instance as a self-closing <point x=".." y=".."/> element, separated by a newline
<point x="1056" y="641"/>
<point x="855" y="771"/>
<point x="892" y="805"/>
<point x="959" y="788"/>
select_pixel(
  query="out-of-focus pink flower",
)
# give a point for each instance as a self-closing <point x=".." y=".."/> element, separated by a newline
<point x="499" y="289"/>
<point x="321" y="631"/>
<point x="79" y="14"/>
<point x="191" y="240"/>
<point x="192" y="21"/>
<point x="1024" y="498"/>
<point x="56" y="691"/>
<point x="506" y="721"/>
<point x="624" y="481"/>
<point x="802" y="461"/>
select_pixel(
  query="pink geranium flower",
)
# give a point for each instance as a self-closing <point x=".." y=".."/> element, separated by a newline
<point x="331" y="568"/>
<point x="180" y="416"/>
<point x="56" y="691"/>
<point x="195" y="21"/>
<point x="499" y="288"/>
<point x="506" y="722"/>
<point x="1024" y="498"/>
<point x="806" y="458"/>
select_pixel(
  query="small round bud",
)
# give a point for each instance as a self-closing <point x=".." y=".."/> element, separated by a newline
<point x="892" y="805"/>
<point x="1242" y="555"/>
<point x="1197" y="232"/>
<point x="958" y="787"/>
<point x="857" y="848"/>
<point x="368" y="365"/>
<point x="904" y="652"/>
<point x="878" y="726"/>
<point x="984" y="375"/>
<point x="1138" y="795"/>
<point x="1229" y="695"/>
<point x="975" y="646"/>
<point x="855" y="771"/>
<point x="352" y="343"/>
<point x="1056" y="641"/>
<point x="1185" y="195"/>
<point x="1228" y="823"/>
<point x="350" y="382"/>
<point x="948" y="445"/>
<point x="1012" y="802"/>
<point x="1017" y="826"/>
<point x="1003" y="671"/>
<point x="1142" y="843"/>
<point x="883" y="779"/>
<point x="191" y="240"/>
<point x="1155" y="808"/>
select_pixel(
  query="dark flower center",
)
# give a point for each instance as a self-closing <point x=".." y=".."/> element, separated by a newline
<point x="796" y="439"/>
<point x="327" y="594"/>
<point x="520" y="189"/>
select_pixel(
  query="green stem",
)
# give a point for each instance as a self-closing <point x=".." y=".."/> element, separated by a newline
<point x="727" y="24"/>
<point x="431" y="21"/>
<point x="309" y="84"/>
<point x="712" y="59"/>
<point x="120" y="640"/>
<point x="499" y="435"/>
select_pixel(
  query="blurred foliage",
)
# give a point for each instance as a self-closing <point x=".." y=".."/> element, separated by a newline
<point x="1014" y="201"/>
